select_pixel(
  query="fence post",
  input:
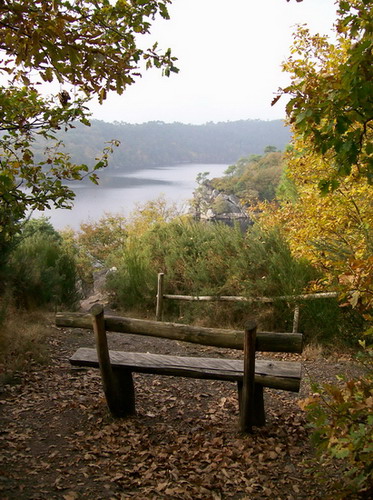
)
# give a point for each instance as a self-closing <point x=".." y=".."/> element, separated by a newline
<point x="160" y="287"/>
<point x="296" y="319"/>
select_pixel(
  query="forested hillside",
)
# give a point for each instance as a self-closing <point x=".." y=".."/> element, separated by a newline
<point x="157" y="143"/>
<point x="253" y="178"/>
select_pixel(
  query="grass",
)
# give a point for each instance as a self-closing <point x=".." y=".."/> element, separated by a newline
<point x="23" y="343"/>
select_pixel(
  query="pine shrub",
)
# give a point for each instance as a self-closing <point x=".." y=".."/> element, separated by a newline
<point x="41" y="271"/>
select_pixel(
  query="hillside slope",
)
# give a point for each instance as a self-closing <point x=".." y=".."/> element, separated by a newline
<point x="156" y="143"/>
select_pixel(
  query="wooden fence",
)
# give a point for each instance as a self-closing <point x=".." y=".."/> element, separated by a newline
<point x="161" y="296"/>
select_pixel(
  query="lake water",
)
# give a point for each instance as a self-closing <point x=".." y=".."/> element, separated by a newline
<point x="121" y="193"/>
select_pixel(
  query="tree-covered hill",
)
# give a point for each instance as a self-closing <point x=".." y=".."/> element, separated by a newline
<point x="254" y="178"/>
<point x="157" y="143"/>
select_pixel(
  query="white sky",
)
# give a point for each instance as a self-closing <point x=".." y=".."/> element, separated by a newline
<point x="229" y="56"/>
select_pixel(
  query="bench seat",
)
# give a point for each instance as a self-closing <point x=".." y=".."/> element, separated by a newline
<point x="274" y="374"/>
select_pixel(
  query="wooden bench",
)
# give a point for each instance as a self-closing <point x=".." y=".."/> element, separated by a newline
<point x="250" y="374"/>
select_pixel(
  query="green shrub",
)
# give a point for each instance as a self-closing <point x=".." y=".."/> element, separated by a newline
<point x="325" y="322"/>
<point x="207" y="259"/>
<point x="215" y="259"/>
<point x="134" y="283"/>
<point x="342" y="421"/>
<point x="41" y="271"/>
<point x="275" y="272"/>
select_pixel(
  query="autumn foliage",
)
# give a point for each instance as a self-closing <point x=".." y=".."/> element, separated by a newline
<point x="342" y="422"/>
<point x="331" y="90"/>
<point x="54" y="58"/>
<point x="328" y="216"/>
<point x="331" y="230"/>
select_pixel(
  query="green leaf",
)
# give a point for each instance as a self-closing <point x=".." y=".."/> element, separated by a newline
<point x="89" y="46"/>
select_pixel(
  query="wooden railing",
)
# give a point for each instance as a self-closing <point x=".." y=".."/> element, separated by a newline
<point x="161" y="296"/>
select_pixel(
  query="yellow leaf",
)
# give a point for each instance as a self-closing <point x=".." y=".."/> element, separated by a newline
<point x="71" y="495"/>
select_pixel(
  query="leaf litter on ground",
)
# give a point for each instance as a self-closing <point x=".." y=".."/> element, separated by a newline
<point x="60" y="442"/>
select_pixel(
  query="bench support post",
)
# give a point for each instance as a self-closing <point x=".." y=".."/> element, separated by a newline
<point x="250" y="395"/>
<point x="117" y="384"/>
<point x="257" y="416"/>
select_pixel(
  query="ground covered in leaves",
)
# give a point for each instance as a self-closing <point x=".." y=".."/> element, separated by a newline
<point x="58" y="440"/>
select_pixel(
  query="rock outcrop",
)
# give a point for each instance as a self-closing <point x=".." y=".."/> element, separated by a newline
<point x="98" y="293"/>
<point x="211" y="205"/>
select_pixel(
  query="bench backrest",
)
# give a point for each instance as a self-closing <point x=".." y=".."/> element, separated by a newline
<point x="215" y="337"/>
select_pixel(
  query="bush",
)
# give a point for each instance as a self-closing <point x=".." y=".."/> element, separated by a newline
<point x="324" y="321"/>
<point x="214" y="259"/>
<point x="41" y="271"/>
<point x="134" y="283"/>
<point x="207" y="259"/>
<point x="342" y="421"/>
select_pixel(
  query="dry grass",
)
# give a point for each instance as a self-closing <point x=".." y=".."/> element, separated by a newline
<point x="312" y="352"/>
<point x="23" y="342"/>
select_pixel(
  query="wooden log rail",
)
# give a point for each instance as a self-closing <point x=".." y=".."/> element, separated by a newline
<point x="232" y="298"/>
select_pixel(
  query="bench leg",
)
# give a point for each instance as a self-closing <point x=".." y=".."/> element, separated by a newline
<point x="258" y="416"/>
<point x="117" y="384"/>
<point x="122" y="403"/>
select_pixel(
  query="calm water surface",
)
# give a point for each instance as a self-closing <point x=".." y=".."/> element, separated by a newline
<point x="120" y="193"/>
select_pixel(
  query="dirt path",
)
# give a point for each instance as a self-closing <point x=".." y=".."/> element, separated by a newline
<point x="58" y="440"/>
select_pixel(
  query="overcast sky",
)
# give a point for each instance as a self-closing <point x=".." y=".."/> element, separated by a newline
<point x="229" y="56"/>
